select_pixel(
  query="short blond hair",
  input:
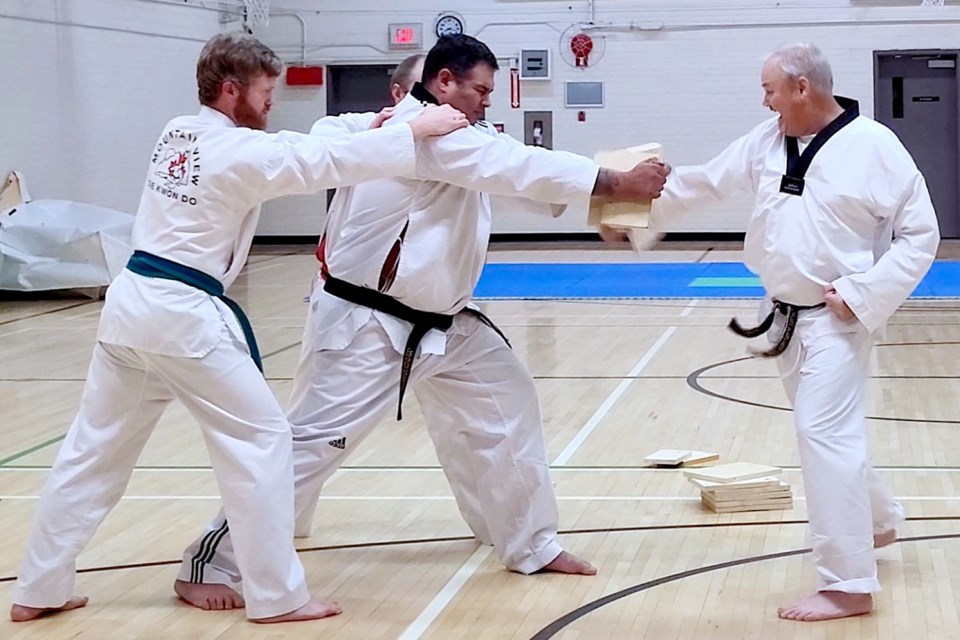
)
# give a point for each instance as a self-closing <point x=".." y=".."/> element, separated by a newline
<point x="233" y="56"/>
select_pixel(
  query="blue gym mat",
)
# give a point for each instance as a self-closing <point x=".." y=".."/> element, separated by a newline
<point x="657" y="280"/>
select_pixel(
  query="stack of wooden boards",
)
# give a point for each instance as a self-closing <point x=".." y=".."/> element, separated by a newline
<point x="631" y="217"/>
<point x="741" y="486"/>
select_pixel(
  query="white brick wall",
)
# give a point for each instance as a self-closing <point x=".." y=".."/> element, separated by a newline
<point x="691" y="84"/>
<point x="82" y="106"/>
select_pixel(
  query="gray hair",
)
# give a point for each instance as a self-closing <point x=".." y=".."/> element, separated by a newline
<point x="803" y="59"/>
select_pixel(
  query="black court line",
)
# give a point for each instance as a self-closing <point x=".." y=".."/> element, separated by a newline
<point x="270" y="257"/>
<point x="48" y="312"/>
<point x="358" y="545"/>
<point x="726" y="377"/>
<point x="559" y="624"/>
<point x="278" y="351"/>
<point x="693" y="381"/>
<point x="414" y="541"/>
<point x="683" y="321"/>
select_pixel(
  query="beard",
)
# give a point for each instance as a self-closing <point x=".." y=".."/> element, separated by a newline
<point x="246" y="116"/>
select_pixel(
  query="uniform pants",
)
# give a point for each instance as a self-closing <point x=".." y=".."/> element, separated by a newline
<point x="248" y="440"/>
<point x="482" y="413"/>
<point x="825" y="371"/>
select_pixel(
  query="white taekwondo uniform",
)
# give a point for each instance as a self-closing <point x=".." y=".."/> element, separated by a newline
<point x="345" y="123"/>
<point x="161" y="339"/>
<point x="442" y="416"/>
<point x="861" y="190"/>
<point x="423" y="243"/>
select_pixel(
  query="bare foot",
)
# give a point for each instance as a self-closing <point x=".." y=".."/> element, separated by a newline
<point x="569" y="563"/>
<point x="20" y="613"/>
<point x="828" y="605"/>
<point x="210" y="597"/>
<point x="314" y="610"/>
<point x="885" y="538"/>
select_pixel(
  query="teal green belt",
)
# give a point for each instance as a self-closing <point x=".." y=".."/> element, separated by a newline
<point x="151" y="266"/>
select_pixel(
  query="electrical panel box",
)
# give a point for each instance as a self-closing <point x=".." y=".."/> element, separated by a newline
<point x="535" y="64"/>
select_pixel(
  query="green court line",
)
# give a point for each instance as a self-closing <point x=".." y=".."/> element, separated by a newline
<point x="43" y="445"/>
<point x="748" y="281"/>
<point x="32" y="449"/>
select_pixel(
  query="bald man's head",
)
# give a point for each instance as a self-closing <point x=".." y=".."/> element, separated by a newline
<point x="407" y="73"/>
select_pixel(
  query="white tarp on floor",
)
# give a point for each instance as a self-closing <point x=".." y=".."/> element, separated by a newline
<point x="59" y="244"/>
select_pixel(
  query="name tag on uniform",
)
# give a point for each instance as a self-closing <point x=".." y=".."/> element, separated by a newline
<point x="791" y="185"/>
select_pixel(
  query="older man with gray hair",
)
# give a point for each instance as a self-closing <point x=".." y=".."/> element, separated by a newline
<point x="841" y="233"/>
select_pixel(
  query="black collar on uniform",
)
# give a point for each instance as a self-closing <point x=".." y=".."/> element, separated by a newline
<point x="420" y="93"/>
<point x="798" y="163"/>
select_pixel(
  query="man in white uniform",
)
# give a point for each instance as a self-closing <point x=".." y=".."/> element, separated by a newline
<point x="408" y="73"/>
<point x="167" y="332"/>
<point x="440" y="415"/>
<point x="399" y="264"/>
<point x="831" y="189"/>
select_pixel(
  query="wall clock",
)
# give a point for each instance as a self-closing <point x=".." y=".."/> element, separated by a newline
<point x="448" y="24"/>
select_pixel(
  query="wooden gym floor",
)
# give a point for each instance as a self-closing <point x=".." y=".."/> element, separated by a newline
<point x="617" y="380"/>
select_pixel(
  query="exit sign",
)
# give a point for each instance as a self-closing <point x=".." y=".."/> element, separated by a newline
<point x="405" y="36"/>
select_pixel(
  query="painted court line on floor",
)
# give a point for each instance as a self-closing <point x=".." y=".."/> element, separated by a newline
<point x="611" y="400"/>
<point x="449" y="591"/>
<point x="950" y="498"/>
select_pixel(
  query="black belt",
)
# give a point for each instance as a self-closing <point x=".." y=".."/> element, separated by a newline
<point x="791" y="311"/>
<point x="422" y="321"/>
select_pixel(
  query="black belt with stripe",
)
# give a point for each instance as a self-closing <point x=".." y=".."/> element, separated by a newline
<point x="422" y="321"/>
<point x="791" y="311"/>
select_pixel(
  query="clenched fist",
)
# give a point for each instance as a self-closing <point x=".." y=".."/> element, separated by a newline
<point x="643" y="183"/>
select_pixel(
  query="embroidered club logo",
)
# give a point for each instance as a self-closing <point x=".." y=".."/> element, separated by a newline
<point x="176" y="166"/>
